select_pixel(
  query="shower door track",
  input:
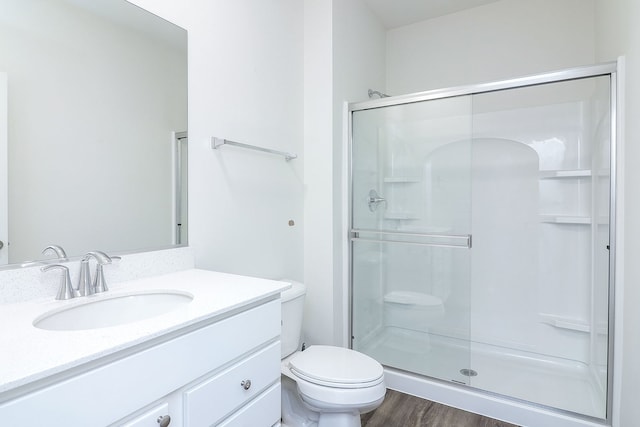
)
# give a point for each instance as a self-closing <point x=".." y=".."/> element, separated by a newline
<point x="605" y="69"/>
<point x="577" y="73"/>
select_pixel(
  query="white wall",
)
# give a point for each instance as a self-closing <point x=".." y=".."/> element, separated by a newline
<point x="500" y="40"/>
<point x="359" y="56"/>
<point x="344" y="56"/>
<point x="77" y="107"/>
<point x="245" y="85"/>
<point x="318" y="172"/>
<point x="243" y="57"/>
<point x="618" y="33"/>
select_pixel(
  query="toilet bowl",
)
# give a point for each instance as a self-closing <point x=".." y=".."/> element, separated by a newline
<point x="323" y="386"/>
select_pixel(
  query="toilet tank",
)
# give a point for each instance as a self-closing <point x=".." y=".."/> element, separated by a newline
<point x="292" y="311"/>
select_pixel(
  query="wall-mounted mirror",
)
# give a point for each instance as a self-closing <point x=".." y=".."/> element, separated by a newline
<point x="92" y="94"/>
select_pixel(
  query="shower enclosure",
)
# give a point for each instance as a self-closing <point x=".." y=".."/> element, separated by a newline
<point x="481" y="236"/>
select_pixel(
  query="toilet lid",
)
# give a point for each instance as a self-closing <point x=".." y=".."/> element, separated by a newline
<point x="336" y="367"/>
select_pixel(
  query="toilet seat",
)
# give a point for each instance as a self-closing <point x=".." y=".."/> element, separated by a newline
<point x="336" y="379"/>
<point x="336" y="367"/>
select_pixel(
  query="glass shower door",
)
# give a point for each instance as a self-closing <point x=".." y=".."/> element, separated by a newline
<point x="527" y="166"/>
<point x="541" y="196"/>
<point x="410" y="236"/>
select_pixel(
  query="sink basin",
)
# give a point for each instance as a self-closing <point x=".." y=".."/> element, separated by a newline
<point x="113" y="311"/>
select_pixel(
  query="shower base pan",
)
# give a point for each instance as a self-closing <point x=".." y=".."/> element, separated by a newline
<point x="554" y="382"/>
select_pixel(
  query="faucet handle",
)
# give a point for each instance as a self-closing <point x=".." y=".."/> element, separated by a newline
<point x="57" y="250"/>
<point x="99" y="282"/>
<point x="66" y="289"/>
<point x="101" y="257"/>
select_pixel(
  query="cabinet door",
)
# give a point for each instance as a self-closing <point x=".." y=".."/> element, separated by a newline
<point x="150" y="418"/>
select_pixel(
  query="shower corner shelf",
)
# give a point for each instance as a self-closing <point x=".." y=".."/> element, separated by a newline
<point x="576" y="173"/>
<point x="567" y="323"/>
<point x="401" y="179"/>
<point x="571" y="173"/>
<point x="401" y="215"/>
<point x="565" y="219"/>
<point x="570" y="219"/>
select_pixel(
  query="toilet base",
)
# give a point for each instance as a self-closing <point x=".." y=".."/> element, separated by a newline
<point x="340" y="419"/>
<point x="295" y="413"/>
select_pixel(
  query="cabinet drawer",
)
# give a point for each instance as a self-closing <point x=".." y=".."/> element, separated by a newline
<point x="264" y="411"/>
<point x="215" y="398"/>
<point x="149" y="418"/>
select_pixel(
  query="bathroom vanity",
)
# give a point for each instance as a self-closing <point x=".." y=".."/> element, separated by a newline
<point x="212" y="361"/>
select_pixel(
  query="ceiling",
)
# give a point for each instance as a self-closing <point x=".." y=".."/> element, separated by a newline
<point x="136" y="18"/>
<point x="397" y="13"/>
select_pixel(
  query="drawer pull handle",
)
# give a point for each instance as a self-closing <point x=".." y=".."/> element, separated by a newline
<point x="164" y="420"/>
<point x="246" y="384"/>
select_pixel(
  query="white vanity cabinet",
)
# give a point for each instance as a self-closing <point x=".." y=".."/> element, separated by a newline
<point x="221" y="371"/>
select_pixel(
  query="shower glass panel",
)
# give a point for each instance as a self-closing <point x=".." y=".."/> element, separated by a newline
<point x="411" y="221"/>
<point x="523" y="309"/>
<point x="540" y="263"/>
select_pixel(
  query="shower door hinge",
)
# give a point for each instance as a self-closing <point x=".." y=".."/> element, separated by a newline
<point x="354" y="235"/>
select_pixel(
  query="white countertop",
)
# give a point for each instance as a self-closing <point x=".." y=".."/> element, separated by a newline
<point x="30" y="354"/>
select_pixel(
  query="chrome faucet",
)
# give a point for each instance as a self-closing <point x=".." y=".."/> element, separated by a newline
<point x="85" y="287"/>
<point x="66" y="289"/>
<point x="57" y="250"/>
<point x="374" y="200"/>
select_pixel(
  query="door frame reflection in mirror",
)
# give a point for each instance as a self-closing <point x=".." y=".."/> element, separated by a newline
<point x="4" y="203"/>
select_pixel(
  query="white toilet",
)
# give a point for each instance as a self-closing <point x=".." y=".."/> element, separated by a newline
<point x="323" y="386"/>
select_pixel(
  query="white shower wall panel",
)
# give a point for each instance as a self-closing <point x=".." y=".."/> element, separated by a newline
<point x="566" y="197"/>
<point x="556" y="132"/>
<point x="565" y="286"/>
<point x="527" y="276"/>
<point x="556" y="316"/>
<point x="504" y="269"/>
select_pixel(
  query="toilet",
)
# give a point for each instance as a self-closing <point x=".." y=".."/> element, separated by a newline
<point x="323" y="386"/>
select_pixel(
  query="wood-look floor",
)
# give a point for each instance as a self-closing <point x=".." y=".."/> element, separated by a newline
<point x="403" y="410"/>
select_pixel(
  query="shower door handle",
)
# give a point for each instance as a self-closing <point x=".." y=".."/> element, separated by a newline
<point x="412" y="238"/>
<point x="374" y="200"/>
